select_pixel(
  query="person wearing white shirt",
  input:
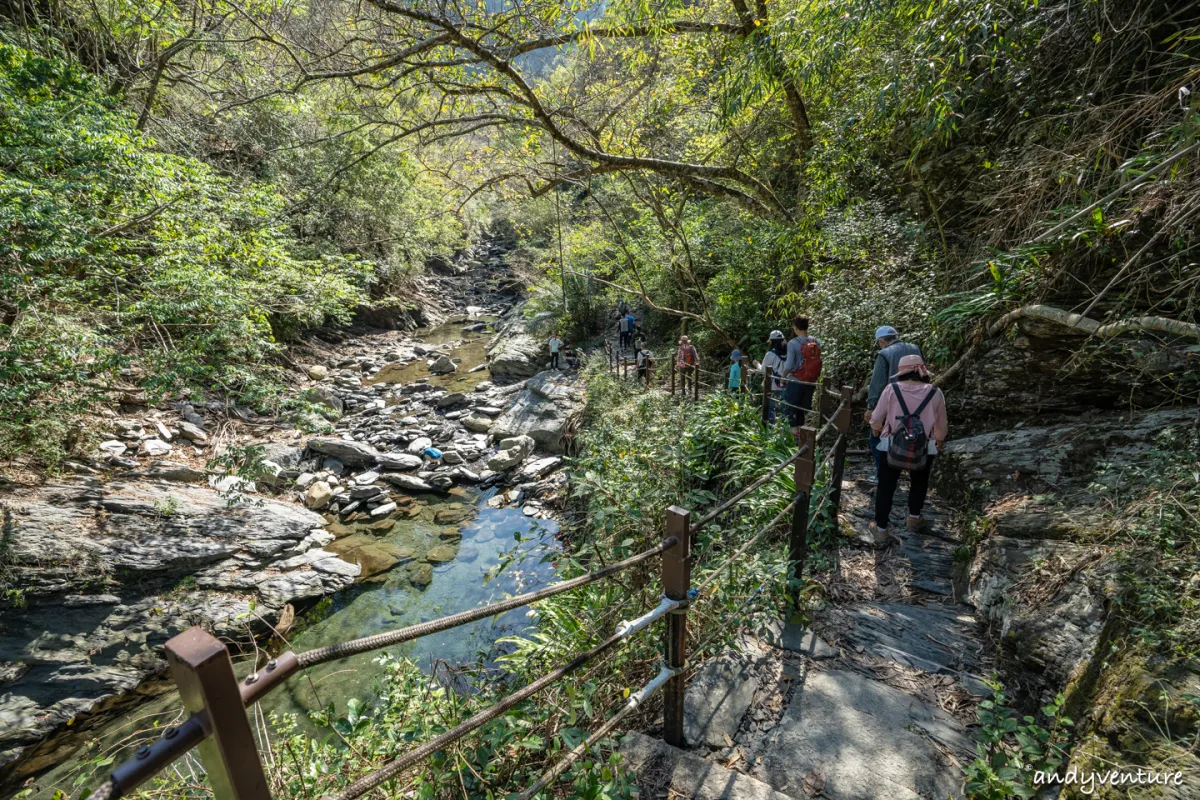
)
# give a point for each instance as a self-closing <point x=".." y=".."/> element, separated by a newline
<point x="771" y="367"/>
<point x="555" y="345"/>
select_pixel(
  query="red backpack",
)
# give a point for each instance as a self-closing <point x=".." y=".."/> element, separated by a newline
<point x="810" y="363"/>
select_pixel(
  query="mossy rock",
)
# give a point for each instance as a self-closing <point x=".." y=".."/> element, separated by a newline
<point x="380" y="526"/>
<point x="441" y="554"/>
<point x="421" y="575"/>
<point x="375" y="557"/>
<point x="451" y="514"/>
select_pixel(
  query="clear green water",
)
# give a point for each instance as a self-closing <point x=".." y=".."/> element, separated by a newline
<point x="406" y="590"/>
<point x="470" y="347"/>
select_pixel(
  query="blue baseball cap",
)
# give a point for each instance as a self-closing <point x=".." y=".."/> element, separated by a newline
<point x="885" y="331"/>
<point x="736" y="355"/>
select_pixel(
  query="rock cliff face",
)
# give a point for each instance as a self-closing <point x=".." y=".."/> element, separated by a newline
<point x="1047" y="575"/>
<point x="1045" y="368"/>
<point x="105" y="574"/>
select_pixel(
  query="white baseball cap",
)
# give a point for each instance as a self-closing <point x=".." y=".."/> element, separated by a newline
<point x="776" y="335"/>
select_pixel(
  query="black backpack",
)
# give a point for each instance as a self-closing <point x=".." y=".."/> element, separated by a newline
<point x="909" y="446"/>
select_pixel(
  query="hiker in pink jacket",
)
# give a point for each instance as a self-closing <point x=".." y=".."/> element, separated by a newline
<point x="908" y="445"/>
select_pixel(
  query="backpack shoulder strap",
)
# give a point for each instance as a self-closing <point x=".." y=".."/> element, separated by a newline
<point x="928" y="396"/>
<point x="900" y="398"/>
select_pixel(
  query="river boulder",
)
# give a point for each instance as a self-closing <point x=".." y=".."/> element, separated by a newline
<point x="516" y="352"/>
<point x="348" y="452"/>
<point x="135" y="563"/>
<point x="542" y="410"/>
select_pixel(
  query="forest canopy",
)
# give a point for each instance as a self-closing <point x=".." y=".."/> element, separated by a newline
<point x="230" y="173"/>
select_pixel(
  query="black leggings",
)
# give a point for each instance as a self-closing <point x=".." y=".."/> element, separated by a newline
<point x="554" y="361"/>
<point x="889" y="476"/>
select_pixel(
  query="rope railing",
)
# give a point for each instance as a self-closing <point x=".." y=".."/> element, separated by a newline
<point x="216" y="700"/>
<point x="418" y="754"/>
<point x="343" y="649"/>
<point x="177" y="741"/>
<point x="745" y="547"/>
<point x="737" y="498"/>
<point x="636" y="700"/>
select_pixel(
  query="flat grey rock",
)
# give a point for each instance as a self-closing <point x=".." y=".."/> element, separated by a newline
<point x="717" y="698"/>
<point x="400" y="461"/>
<point x="542" y="410"/>
<point x="936" y="639"/>
<point x="658" y="765"/>
<point x="867" y="739"/>
<point x="798" y="639"/>
<point x="354" y="453"/>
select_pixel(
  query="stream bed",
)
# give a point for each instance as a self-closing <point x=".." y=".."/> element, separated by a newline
<point x="436" y="554"/>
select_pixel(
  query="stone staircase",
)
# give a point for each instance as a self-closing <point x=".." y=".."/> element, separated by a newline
<point x="875" y="701"/>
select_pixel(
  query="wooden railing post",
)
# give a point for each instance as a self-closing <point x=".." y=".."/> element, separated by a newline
<point x="677" y="580"/>
<point x="672" y="360"/>
<point x="839" y="455"/>
<point x="827" y="404"/>
<point x="696" y="382"/>
<point x="798" y="538"/>
<point x="766" y="397"/>
<point x="201" y="668"/>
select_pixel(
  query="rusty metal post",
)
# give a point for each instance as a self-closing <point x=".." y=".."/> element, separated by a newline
<point x="798" y="538"/>
<point x="677" y="580"/>
<point x="201" y="668"/>
<point x="839" y="453"/>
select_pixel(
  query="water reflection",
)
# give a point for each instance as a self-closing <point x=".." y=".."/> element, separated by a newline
<point x="412" y="590"/>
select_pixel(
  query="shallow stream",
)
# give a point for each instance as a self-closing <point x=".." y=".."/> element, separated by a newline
<point x="437" y="555"/>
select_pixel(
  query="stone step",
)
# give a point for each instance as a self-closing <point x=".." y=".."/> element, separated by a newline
<point x="859" y="739"/>
<point x="938" y="639"/>
<point x="666" y="771"/>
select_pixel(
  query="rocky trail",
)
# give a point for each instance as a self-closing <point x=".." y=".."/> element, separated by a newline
<point x="148" y="539"/>
<point x="875" y="700"/>
<point x="878" y="699"/>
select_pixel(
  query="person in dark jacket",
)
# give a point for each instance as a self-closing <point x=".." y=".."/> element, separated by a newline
<point x="887" y="360"/>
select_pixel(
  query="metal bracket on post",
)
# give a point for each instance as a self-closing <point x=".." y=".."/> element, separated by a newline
<point x="203" y="672"/>
<point x="798" y="537"/>
<point x="677" y="580"/>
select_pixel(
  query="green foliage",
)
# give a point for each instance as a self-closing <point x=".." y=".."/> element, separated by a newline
<point x="1011" y="749"/>
<point x="126" y="263"/>
<point x="1159" y="541"/>
<point x="641" y="452"/>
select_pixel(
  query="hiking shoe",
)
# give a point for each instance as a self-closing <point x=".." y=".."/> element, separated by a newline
<point x="880" y="536"/>
<point x="915" y="523"/>
<point x="873" y="479"/>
